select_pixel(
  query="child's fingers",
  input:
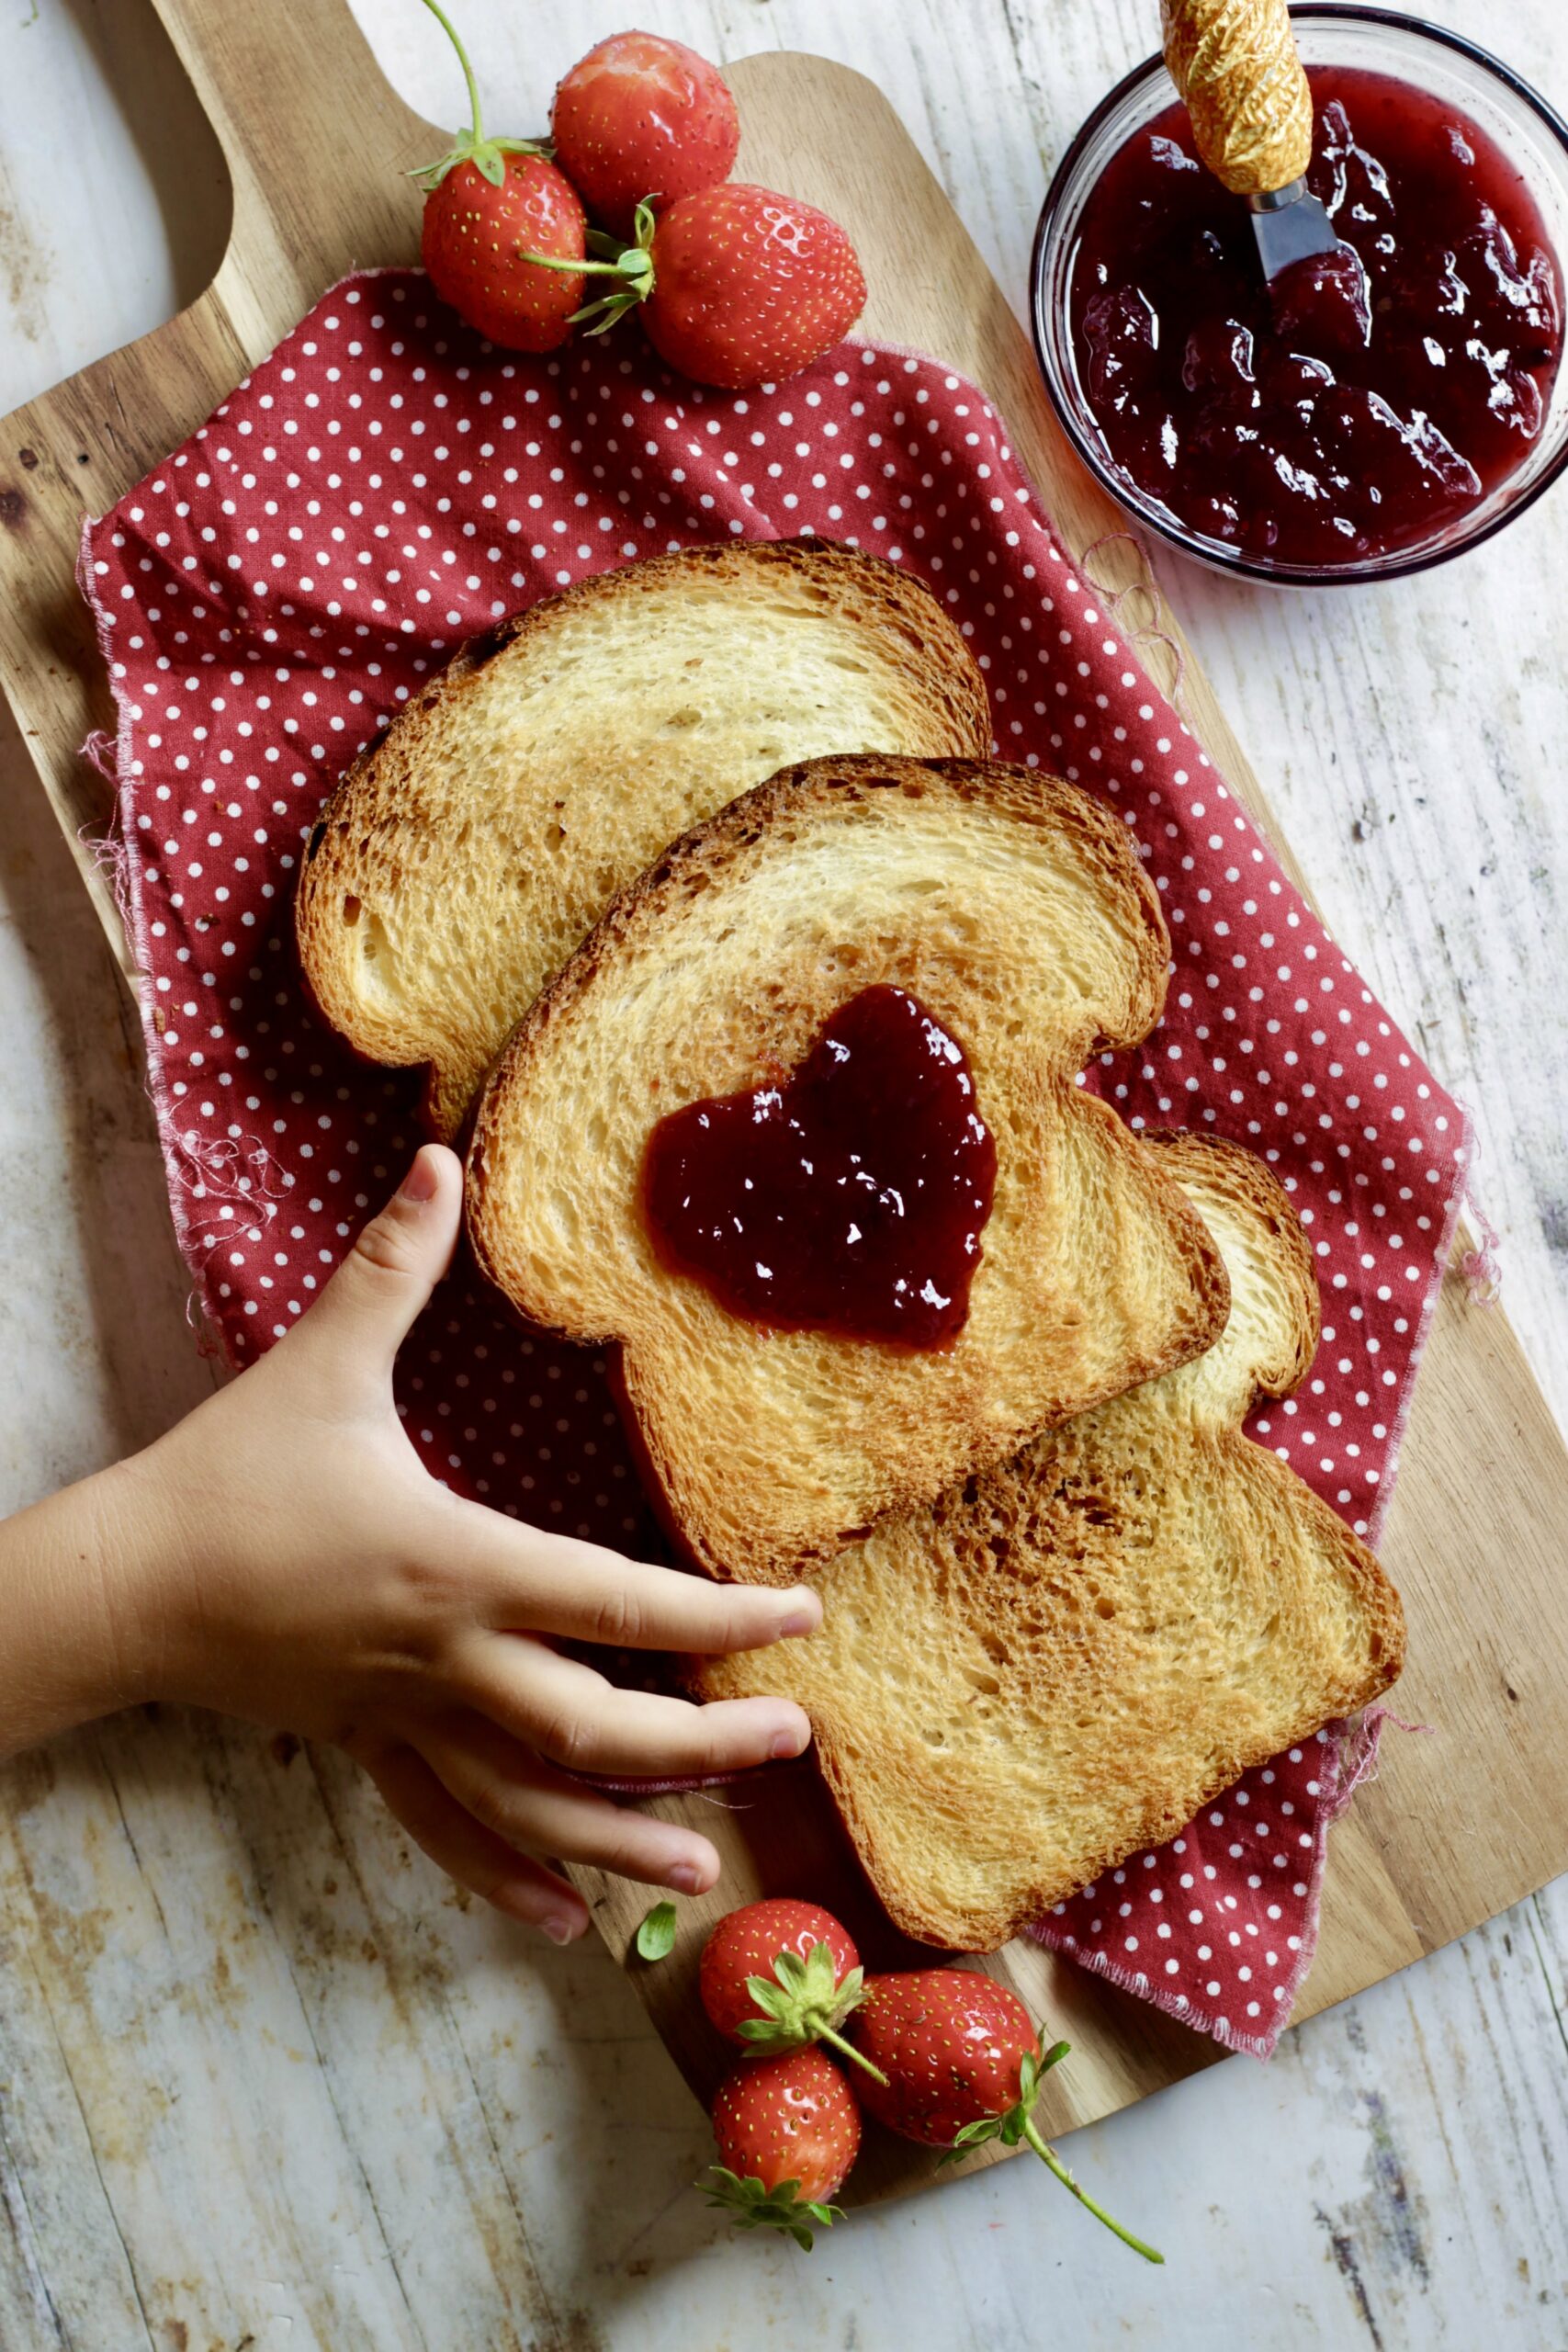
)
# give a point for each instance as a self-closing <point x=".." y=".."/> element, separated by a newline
<point x="573" y="1717"/>
<point x="473" y="1855"/>
<point x="516" y="1797"/>
<point x="553" y="1584"/>
<point x="371" y="1301"/>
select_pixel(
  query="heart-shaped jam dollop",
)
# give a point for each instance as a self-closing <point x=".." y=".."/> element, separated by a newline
<point x="848" y="1197"/>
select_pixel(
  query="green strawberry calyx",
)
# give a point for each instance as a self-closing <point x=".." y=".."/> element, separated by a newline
<point x="487" y="155"/>
<point x="751" y="2206"/>
<point x="1017" y="2122"/>
<point x="803" y="2001"/>
<point x="631" y="268"/>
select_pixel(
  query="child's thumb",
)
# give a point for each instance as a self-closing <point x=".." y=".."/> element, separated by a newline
<point x="371" y="1302"/>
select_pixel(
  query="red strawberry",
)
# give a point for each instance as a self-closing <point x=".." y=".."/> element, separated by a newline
<point x="963" y="2063"/>
<point x="737" y="286"/>
<point x="779" y="1975"/>
<point x="642" y="116"/>
<point x="491" y="206"/>
<point x="787" y="2131"/>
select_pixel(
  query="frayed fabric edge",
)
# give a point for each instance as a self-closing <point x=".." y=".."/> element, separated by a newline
<point x="1356" y="1762"/>
<point x="108" y="849"/>
<point x="239" y="1174"/>
<point x="1482" y="1268"/>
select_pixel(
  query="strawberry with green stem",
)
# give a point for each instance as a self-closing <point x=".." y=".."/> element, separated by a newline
<point x="787" y="2131"/>
<point x="504" y="233"/>
<point x="963" y="2063"/>
<point x="736" y="286"/>
<point x="779" y="1975"/>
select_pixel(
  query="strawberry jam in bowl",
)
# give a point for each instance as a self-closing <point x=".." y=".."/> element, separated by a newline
<point x="1374" y="410"/>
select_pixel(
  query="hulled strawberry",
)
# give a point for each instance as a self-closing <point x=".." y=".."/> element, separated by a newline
<point x="502" y="231"/>
<point x="963" y="2063"/>
<point x="640" y="116"/>
<point x="737" y="286"/>
<point x="787" y="2131"/>
<point x="781" y="1974"/>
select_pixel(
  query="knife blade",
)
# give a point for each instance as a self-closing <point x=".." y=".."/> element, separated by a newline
<point x="1289" y="225"/>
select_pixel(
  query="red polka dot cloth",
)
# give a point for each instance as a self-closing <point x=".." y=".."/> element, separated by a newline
<point x="384" y="485"/>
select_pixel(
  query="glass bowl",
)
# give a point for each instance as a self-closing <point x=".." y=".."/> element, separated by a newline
<point x="1377" y="40"/>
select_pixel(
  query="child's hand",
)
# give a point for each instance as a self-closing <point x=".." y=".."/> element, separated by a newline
<point x="294" y="1563"/>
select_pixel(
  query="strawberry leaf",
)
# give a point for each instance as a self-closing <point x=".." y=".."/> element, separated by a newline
<point x="803" y="2003"/>
<point x="772" y="2000"/>
<point x="984" y="2127"/>
<point x="1015" y="2122"/>
<point x="987" y="2127"/>
<point x="603" y="313"/>
<point x="656" y="1937"/>
<point x="429" y="176"/>
<point x="751" y="2206"/>
<point x="487" y="155"/>
<point x="1033" y="2067"/>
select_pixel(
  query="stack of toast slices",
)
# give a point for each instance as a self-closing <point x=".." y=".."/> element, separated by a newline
<point x="634" y="852"/>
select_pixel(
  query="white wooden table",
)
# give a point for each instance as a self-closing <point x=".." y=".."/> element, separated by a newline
<point x="265" y="2082"/>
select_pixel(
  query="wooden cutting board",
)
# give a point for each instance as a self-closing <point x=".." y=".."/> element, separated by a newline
<point x="1458" y="1826"/>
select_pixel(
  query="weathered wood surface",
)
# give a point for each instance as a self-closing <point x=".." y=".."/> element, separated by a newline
<point x="355" y="2129"/>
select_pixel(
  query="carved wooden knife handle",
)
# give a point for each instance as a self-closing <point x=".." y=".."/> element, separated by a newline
<point x="1234" y="62"/>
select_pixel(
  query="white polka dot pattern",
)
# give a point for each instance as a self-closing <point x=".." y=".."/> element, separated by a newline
<point x="384" y="485"/>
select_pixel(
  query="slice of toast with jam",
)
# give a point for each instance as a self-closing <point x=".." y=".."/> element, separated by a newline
<point x="992" y="916"/>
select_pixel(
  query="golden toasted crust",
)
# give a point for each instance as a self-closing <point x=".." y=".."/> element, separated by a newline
<point x="1234" y="62"/>
<point x="1071" y="1654"/>
<point x="1014" y="908"/>
<point x="462" y="857"/>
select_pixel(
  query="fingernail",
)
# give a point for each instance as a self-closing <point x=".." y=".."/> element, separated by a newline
<point x="423" y="1180"/>
<point x="560" y="1930"/>
<point x="800" y="1620"/>
<point x="686" y="1878"/>
<point x="786" y="1743"/>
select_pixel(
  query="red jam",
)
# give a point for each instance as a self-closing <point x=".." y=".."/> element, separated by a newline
<point x="1372" y="396"/>
<point x="849" y="1197"/>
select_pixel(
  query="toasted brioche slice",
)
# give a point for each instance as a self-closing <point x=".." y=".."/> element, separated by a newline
<point x="1066" y="1658"/>
<point x="463" y="857"/>
<point x="1014" y="907"/>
